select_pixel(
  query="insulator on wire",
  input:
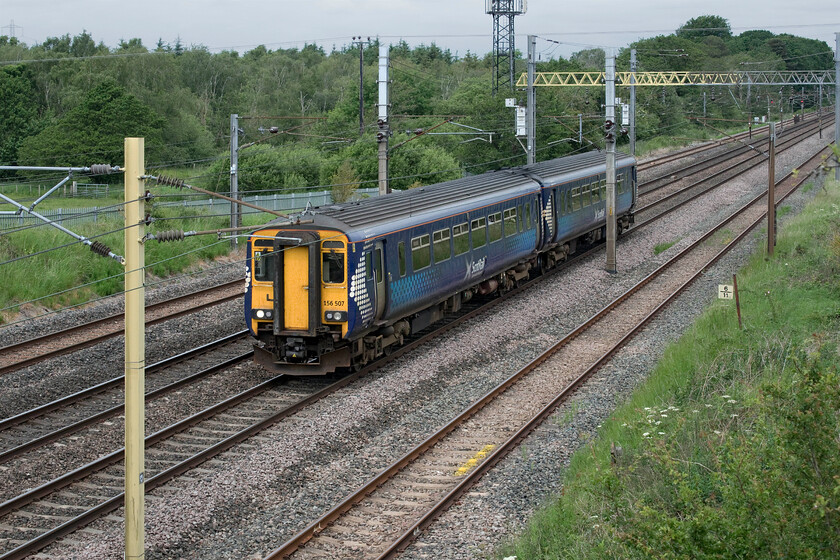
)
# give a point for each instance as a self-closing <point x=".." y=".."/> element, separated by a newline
<point x="101" y="169"/>
<point x="100" y="249"/>
<point x="172" y="235"/>
<point x="170" y="182"/>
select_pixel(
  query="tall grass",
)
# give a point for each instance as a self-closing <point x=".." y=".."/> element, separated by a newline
<point x="729" y="449"/>
<point x="26" y="275"/>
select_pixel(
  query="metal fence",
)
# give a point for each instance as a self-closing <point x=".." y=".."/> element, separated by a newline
<point x="276" y="202"/>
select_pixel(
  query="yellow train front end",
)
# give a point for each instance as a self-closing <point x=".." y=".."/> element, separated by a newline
<point x="296" y="302"/>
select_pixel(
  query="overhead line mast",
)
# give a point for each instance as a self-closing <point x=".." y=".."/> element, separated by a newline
<point x="503" y="12"/>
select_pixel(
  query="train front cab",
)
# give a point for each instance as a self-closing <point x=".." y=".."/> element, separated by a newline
<point x="299" y="304"/>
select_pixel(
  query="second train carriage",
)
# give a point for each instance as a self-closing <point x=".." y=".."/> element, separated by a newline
<point x="346" y="282"/>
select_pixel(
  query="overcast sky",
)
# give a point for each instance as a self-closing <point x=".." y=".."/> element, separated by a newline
<point x="459" y="25"/>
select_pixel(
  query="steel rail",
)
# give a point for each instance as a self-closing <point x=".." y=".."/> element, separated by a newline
<point x="17" y="347"/>
<point x="318" y="525"/>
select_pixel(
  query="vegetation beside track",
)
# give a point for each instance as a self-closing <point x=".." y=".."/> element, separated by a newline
<point x="53" y="278"/>
<point x="729" y="450"/>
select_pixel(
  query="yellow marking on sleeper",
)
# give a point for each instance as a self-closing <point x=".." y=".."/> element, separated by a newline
<point x="466" y="467"/>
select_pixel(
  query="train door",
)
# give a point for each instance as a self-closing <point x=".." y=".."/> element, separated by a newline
<point x="379" y="278"/>
<point x="297" y="289"/>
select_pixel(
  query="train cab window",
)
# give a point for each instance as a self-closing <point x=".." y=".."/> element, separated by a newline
<point x="441" y="245"/>
<point x="479" y="233"/>
<point x="332" y="267"/>
<point x="263" y="266"/>
<point x="528" y="216"/>
<point x="619" y="184"/>
<point x="575" y="199"/>
<point x="369" y="265"/>
<point x="401" y="254"/>
<point x="461" y="238"/>
<point x="421" y="254"/>
<point x="596" y="193"/>
<point x="494" y="226"/>
<point x="510" y="222"/>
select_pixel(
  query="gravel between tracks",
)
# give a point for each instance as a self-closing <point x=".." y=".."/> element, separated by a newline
<point x="243" y="504"/>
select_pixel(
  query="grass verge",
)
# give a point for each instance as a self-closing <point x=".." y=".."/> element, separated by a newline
<point x="42" y="261"/>
<point x="730" y="448"/>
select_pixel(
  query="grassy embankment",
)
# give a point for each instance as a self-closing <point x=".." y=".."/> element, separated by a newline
<point x="76" y="275"/>
<point x="731" y="449"/>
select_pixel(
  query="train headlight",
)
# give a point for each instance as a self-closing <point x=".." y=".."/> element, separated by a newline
<point x="263" y="313"/>
<point x="335" y="316"/>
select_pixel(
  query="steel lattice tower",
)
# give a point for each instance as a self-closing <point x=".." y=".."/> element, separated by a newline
<point x="503" y="12"/>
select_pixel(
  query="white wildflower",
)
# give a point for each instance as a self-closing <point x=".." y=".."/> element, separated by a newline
<point x="731" y="401"/>
<point x="646" y="434"/>
<point x="661" y="433"/>
<point x="717" y="432"/>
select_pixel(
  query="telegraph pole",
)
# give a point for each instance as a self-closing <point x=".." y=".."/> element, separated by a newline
<point x="633" y="102"/>
<point x="384" y="127"/>
<point x="532" y="100"/>
<point x="235" y="209"/>
<point x="609" y="129"/>
<point x="135" y="349"/>
<point x="771" y="192"/>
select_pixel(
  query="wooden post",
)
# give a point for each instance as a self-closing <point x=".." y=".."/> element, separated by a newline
<point x="737" y="299"/>
<point x="135" y="349"/>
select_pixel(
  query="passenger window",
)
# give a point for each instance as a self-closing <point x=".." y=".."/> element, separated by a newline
<point x="332" y="267"/>
<point x="619" y="184"/>
<point x="584" y="196"/>
<point x="461" y="238"/>
<point x="263" y="266"/>
<point x="576" y="199"/>
<point x="603" y="189"/>
<point x="369" y="266"/>
<point x="494" y="226"/>
<point x="421" y="254"/>
<point x="442" y="247"/>
<point x="521" y="218"/>
<point x="528" y="216"/>
<point x="510" y="222"/>
<point x="596" y="193"/>
<point x="479" y="233"/>
<point x="401" y="252"/>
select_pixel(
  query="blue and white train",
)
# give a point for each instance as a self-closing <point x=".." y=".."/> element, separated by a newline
<point x="346" y="282"/>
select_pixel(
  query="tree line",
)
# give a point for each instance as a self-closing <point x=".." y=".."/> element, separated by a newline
<point x="71" y="101"/>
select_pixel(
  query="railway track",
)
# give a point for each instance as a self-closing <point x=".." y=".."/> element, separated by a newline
<point x="680" y="193"/>
<point x="751" y="137"/>
<point x="743" y="152"/>
<point x="58" y="420"/>
<point x="166" y="471"/>
<point x="382" y="517"/>
<point x="29" y="352"/>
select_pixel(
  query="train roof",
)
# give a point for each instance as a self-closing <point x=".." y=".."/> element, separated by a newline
<point x="450" y="197"/>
